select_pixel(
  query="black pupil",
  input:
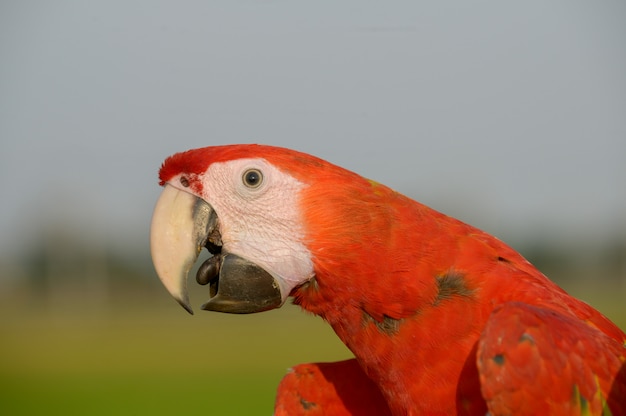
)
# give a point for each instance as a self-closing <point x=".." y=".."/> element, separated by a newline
<point x="253" y="178"/>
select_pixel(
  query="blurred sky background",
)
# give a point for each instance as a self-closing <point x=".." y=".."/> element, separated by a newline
<point x="508" y="115"/>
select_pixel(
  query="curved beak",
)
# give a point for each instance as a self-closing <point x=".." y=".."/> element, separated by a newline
<point x="180" y="227"/>
<point x="182" y="224"/>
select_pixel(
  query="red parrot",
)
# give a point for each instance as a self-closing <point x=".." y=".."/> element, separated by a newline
<point x="442" y="318"/>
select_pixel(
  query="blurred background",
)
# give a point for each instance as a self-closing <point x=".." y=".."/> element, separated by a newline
<point x="511" y="117"/>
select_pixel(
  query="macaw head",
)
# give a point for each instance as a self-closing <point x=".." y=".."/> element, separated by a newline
<point x="246" y="204"/>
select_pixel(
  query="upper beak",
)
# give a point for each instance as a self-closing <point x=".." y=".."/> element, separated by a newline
<point x="182" y="224"/>
<point x="178" y="232"/>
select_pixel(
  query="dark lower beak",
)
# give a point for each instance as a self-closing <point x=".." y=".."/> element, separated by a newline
<point x="242" y="287"/>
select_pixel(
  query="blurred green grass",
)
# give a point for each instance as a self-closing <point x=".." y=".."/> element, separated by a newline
<point x="136" y="352"/>
<point x="147" y="356"/>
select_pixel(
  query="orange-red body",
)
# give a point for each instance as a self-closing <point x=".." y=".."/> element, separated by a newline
<point x="412" y="293"/>
<point x="380" y="258"/>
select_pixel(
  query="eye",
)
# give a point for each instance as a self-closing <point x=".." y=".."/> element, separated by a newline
<point x="252" y="178"/>
<point x="184" y="182"/>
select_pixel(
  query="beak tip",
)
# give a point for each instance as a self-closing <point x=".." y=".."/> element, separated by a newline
<point x="184" y="302"/>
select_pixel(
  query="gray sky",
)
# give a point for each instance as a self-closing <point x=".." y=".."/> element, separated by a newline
<point x="508" y="115"/>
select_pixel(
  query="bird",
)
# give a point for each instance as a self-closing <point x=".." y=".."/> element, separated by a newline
<point x="442" y="318"/>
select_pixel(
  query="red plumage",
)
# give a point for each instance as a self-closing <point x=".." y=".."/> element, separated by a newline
<point x="430" y="306"/>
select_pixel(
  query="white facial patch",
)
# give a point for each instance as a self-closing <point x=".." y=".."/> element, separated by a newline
<point x="259" y="216"/>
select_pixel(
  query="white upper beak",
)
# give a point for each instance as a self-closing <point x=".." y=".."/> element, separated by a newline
<point x="176" y="240"/>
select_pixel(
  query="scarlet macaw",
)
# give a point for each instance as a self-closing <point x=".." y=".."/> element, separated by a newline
<point x="442" y="318"/>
